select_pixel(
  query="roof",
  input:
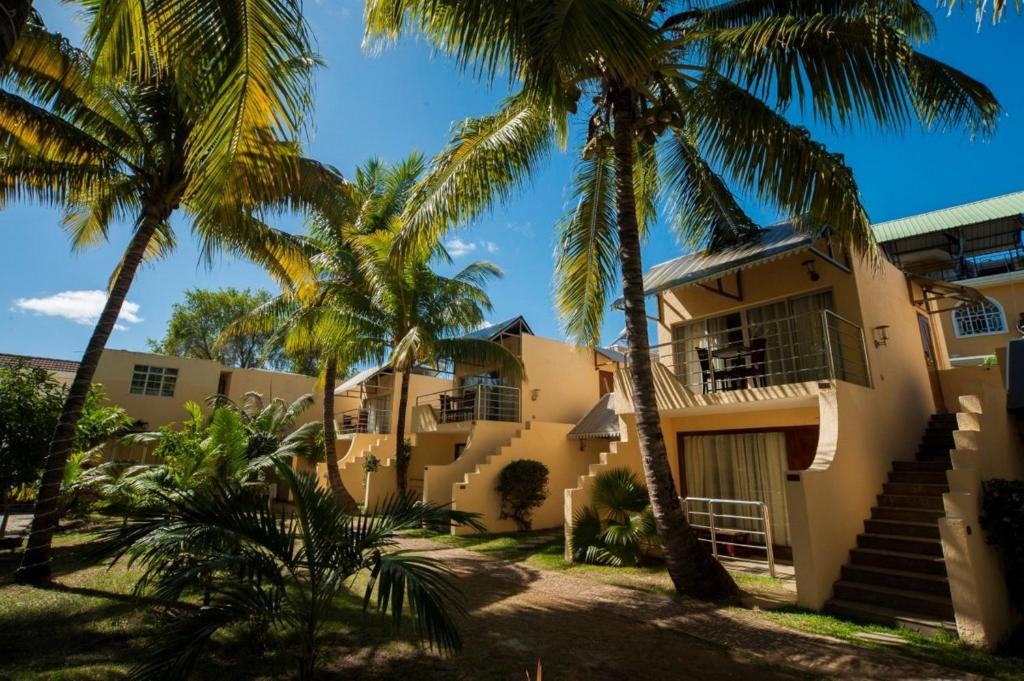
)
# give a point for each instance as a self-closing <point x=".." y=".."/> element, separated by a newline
<point x="613" y="355"/>
<point x="495" y="330"/>
<point x="770" y="243"/>
<point x="64" y="366"/>
<point x="985" y="210"/>
<point x="600" y="422"/>
<point x="358" y="379"/>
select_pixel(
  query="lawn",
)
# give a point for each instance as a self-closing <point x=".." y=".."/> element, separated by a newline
<point x="545" y="551"/>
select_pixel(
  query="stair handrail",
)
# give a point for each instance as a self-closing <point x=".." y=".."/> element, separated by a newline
<point x="714" y="528"/>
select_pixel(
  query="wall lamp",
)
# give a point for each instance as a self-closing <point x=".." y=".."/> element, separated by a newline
<point x="881" y="334"/>
<point x="811" y="272"/>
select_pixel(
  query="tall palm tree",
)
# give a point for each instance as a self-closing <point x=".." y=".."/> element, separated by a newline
<point x="109" y="147"/>
<point x="683" y="98"/>
<point x="14" y="14"/>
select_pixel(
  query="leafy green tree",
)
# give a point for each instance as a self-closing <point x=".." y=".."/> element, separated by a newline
<point x="30" y="401"/>
<point x="177" y="107"/>
<point x="523" y="486"/>
<point x="683" y="101"/>
<point x="196" y="325"/>
<point x="270" y="571"/>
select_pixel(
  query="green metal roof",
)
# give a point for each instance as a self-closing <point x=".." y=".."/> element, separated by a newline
<point x="951" y="218"/>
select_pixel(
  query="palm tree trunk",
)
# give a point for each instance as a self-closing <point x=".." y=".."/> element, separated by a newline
<point x="331" y="439"/>
<point x="5" y="504"/>
<point x="694" y="571"/>
<point x="13" y="15"/>
<point x="35" y="563"/>
<point x="401" y="455"/>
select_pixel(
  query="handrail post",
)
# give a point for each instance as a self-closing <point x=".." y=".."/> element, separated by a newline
<point x="711" y="523"/>
<point x="828" y="345"/>
<point x="768" y="539"/>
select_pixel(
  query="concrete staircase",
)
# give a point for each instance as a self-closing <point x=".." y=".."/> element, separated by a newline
<point x="896" y="574"/>
<point x="351" y="467"/>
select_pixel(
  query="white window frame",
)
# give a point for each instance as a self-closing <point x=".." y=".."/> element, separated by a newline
<point x="988" y="315"/>
<point x="153" y="381"/>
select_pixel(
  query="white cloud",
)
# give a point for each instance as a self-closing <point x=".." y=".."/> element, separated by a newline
<point x="458" y="248"/>
<point x="81" y="307"/>
<point x="490" y="246"/>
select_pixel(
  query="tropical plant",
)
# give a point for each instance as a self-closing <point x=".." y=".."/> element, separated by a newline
<point x="274" y="572"/>
<point x="1002" y="518"/>
<point x="618" y="528"/>
<point x="266" y="424"/>
<point x="191" y="106"/>
<point x="30" y="400"/>
<point x="681" y="98"/>
<point x="15" y="14"/>
<point x="523" y="486"/>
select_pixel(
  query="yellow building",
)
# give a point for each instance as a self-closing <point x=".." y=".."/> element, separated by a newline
<point x="470" y="423"/>
<point x="979" y="245"/>
<point x="803" y="389"/>
<point x="153" y="388"/>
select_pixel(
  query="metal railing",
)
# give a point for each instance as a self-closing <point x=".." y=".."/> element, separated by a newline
<point x="773" y="351"/>
<point x="730" y="523"/>
<point x="364" y="420"/>
<point x="473" y="403"/>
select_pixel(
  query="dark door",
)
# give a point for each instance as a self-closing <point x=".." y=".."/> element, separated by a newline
<point x="606" y="381"/>
<point x="931" y="361"/>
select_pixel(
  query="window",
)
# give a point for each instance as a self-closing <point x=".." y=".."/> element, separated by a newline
<point x="979" y="319"/>
<point x="147" y="380"/>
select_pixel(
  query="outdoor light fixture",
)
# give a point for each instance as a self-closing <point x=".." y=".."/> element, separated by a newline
<point x="811" y="272"/>
<point x="534" y="394"/>
<point x="881" y="334"/>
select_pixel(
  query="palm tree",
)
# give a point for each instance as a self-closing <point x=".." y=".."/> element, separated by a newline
<point x="268" y="570"/>
<point x="14" y="14"/>
<point x="686" y="98"/>
<point x="266" y="423"/>
<point x="111" y="146"/>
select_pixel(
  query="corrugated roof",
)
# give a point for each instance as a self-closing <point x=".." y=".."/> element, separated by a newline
<point x="951" y="218"/>
<point x="64" y="366"/>
<point x="771" y="242"/>
<point x="358" y="379"/>
<point x="600" y="422"/>
<point x="613" y="355"/>
<point x="489" y="332"/>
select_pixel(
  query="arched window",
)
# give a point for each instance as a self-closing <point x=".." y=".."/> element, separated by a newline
<point x="979" y="319"/>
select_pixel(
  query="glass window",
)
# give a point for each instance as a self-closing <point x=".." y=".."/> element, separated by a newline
<point x="979" y="319"/>
<point x="156" y="381"/>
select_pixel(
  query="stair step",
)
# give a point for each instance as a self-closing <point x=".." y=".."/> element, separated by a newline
<point x="933" y="453"/>
<point x="897" y="560"/>
<point x="913" y="515"/>
<point x="918" y="603"/>
<point x="930" y="465"/>
<point x="902" y="528"/>
<point x="896" y="579"/>
<point x="885" y="542"/>
<point x="915" y="489"/>
<point x="911" y="501"/>
<point x="918" y="477"/>
<point x="879" y="615"/>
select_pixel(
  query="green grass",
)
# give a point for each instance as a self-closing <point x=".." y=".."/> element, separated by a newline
<point x="531" y="550"/>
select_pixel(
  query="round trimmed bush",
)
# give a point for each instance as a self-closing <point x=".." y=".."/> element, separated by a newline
<point x="523" y="486"/>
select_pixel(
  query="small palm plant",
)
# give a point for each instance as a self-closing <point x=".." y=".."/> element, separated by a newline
<point x="618" y="529"/>
<point x="270" y="572"/>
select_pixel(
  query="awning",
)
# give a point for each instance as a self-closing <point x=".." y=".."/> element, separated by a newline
<point x="770" y="243"/>
<point x="358" y="379"/>
<point x="996" y="208"/>
<point x="601" y="422"/>
<point x="935" y="289"/>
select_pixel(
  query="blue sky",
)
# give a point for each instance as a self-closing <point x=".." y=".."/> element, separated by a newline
<point x="406" y="99"/>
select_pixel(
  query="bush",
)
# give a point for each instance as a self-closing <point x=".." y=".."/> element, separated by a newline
<point x="618" y="529"/>
<point x="523" y="485"/>
<point x="1003" y="521"/>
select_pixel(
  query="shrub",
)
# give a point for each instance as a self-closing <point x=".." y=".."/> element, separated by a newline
<point x="370" y="463"/>
<point x="523" y="485"/>
<point x="618" y="529"/>
<point x="1003" y="522"/>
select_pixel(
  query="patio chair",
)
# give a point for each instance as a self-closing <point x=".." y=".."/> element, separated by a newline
<point x="756" y="371"/>
<point x="446" y="408"/>
<point x="705" y="369"/>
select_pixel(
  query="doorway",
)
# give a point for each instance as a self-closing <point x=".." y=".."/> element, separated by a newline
<point x="931" y="361"/>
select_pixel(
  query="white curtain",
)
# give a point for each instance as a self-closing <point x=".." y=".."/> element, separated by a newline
<point x="745" y="467"/>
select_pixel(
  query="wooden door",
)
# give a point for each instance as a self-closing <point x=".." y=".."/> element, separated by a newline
<point x="931" y="361"/>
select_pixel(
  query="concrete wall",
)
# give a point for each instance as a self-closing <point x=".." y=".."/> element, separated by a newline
<point x="561" y="380"/>
<point x="484" y="439"/>
<point x="540" y="441"/>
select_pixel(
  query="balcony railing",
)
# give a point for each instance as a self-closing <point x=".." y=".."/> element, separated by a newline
<point x="807" y="347"/>
<point x="473" y="403"/>
<point x="365" y="420"/>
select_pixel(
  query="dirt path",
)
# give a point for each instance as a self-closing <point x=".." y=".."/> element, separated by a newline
<point x="581" y="629"/>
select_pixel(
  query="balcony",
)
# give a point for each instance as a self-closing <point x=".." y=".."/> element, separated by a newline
<point x="473" y="403"/>
<point x="765" y="352"/>
<point x="364" y="420"/>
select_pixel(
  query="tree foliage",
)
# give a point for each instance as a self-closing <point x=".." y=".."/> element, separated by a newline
<point x="30" y="402"/>
<point x="618" y="528"/>
<point x="197" y="324"/>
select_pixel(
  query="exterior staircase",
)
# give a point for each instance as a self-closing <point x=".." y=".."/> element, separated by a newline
<point x="896" y="574"/>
